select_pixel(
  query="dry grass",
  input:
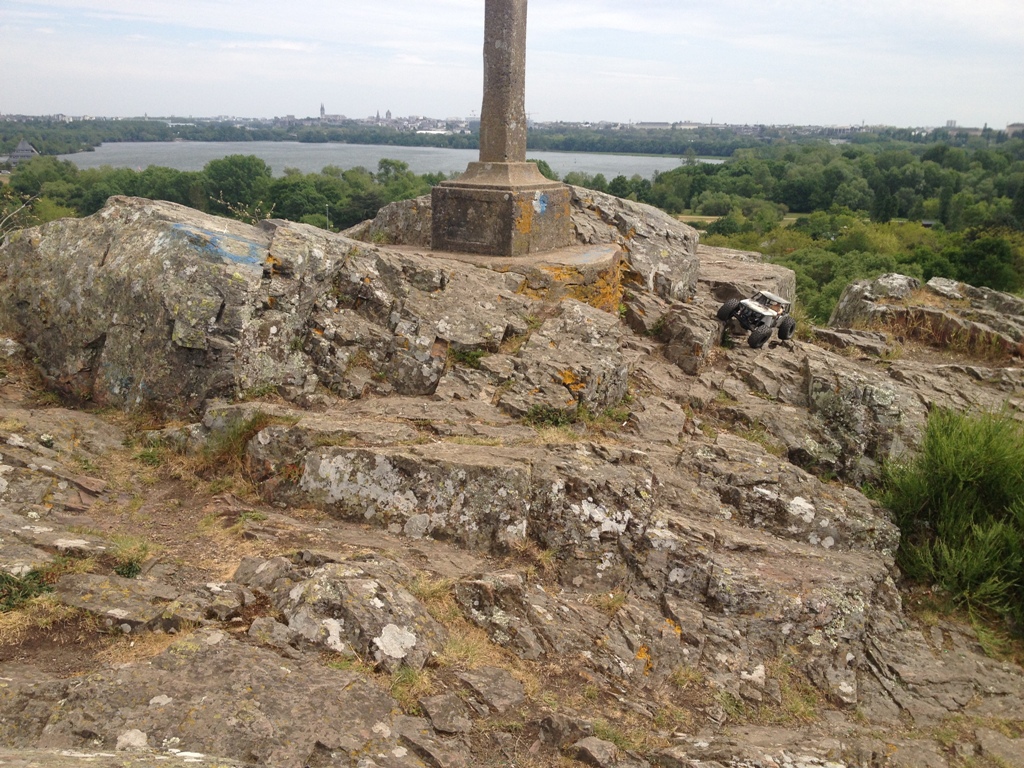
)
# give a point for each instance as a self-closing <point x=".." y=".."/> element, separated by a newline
<point x="760" y="436"/>
<point x="464" y="440"/>
<point x="543" y="560"/>
<point x="610" y="602"/>
<point x="62" y="565"/>
<point x="436" y="595"/>
<point x="925" y="297"/>
<point x="630" y="732"/>
<point x="687" y="678"/>
<point x="348" y="664"/>
<point x="565" y="435"/>
<point x="802" y="702"/>
<point x="12" y="425"/>
<point x="44" y="613"/>
<point x="409" y="685"/>
<point x="127" y="649"/>
<point x="469" y="647"/>
<point x="939" y="331"/>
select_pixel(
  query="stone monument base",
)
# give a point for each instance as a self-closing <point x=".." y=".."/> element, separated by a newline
<point x="501" y="209"/>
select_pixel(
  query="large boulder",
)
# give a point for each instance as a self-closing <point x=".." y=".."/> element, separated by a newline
<point x="150" y="304"/>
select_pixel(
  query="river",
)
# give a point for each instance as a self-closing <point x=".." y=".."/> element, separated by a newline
<point x="312" y="158"/>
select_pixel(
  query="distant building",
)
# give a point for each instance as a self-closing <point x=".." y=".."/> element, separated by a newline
<point x="24" y="151"/>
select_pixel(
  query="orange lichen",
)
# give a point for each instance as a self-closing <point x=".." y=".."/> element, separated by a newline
<point x="602" y="289"/>
<point x="644" y="655"/>
<point x="572" y="381"/>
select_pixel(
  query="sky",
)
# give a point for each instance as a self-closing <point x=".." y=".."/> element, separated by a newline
<point x="906" y="63"/>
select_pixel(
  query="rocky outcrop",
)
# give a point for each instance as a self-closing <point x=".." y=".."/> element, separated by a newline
<point x="496" y="518"/>
<point x="946" y="313"/>
<point x="149" y="304"/>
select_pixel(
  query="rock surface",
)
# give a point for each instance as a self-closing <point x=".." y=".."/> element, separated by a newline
<point x="498" y="514"/>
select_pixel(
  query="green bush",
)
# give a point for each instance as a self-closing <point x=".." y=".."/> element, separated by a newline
<point x="960" y="506"/>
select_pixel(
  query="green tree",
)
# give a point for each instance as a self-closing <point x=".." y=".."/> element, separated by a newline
<point x="546" y="171"/>
<point x="992" y="262"/>
<point x="1018" y="206"/>
<point x="236" y="183"/>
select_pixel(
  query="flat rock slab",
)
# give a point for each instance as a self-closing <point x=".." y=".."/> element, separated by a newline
<point x="1005" y="751"/>
<point x="595" y="751"/>
<point x="447" y="713"/>
<point x="132" y="603"/>
<point x="495" y="688"/>
<point x="415" y="733"/>
<point x="600" y="254"/>
<point x="19" y="559"/>
<point x="732" y="274"/>
<point x="210" y="694"/>
<point x="350" y="606"/>
<point x="50" y="537"/>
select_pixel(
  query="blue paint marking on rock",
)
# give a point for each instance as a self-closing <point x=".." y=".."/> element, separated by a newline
<point x="222" y="246"/>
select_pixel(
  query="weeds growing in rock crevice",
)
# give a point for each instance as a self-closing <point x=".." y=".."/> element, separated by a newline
<point x="960" y="506"/>
<point x="579" y="416"/>
<point x="467" y="357"/>
<point x="225" y="449"/>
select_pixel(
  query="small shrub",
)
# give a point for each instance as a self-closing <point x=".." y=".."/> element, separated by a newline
<point x="658" y="327"/>
<point x="548" y="416"/>
<point x="960" y="506"/>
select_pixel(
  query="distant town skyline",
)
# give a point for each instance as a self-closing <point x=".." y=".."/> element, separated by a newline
<point x="457" y="124"/>
<point x="904" y="63"/>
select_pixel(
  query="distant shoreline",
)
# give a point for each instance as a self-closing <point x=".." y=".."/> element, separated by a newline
<point x="312" y="157"/>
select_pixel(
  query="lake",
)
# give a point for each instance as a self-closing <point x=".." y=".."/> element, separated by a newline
<point x="312" y="158"/>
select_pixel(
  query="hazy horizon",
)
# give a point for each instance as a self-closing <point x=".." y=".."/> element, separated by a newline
<point x="904" y="63"/>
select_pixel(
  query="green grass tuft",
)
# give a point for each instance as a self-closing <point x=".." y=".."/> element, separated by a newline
<point x="15" y="591"/>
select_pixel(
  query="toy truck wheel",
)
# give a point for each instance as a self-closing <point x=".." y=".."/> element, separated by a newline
<point x="786" y="328"/>
<point x="759" y="336"/>
<point x="728" y="309"/>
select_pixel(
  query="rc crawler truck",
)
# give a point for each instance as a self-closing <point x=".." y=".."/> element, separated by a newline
<point x="759" y="314"/>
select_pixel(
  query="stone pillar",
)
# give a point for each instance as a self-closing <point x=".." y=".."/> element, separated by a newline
<point x="503" y="115"/>
<point x="502" y="205"/>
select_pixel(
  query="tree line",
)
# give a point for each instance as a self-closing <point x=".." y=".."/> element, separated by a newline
<point x="239" y="186"/>
<point x="937" y="209"/>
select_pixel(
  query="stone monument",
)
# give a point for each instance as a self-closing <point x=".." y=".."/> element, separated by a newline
<point x="502" y="205"/>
